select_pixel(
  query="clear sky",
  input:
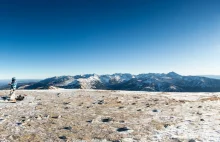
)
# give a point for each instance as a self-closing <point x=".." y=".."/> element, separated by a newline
<point x="44" y="38"/>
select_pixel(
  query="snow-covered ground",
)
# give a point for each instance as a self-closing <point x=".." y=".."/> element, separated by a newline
<point x="91" y="115"/>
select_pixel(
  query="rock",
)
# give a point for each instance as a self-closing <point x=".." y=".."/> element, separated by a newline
<point x="166" y="125"/>
<point x="199" y="113"/>
<point x="199" y="106"/>
<point x="181" y="101"/>
<point x="66" y="107"/>
<point x="39" y="104"/>
<point x="19" y="123"/>
<point x="175" y="140"/>
<point x="19" y="98"/>
<point x="100" y="102"/>
<point x="67" y="128"/>
<point x="63" y="137"/>
<point x="192" y="140"/>
<point x="139" y="110"/>
<point x="89" y="121"/>
<point x="202" y="120"/>
<point x="106" y="119"/>
<point x="156" y="100"/>
<point x="123" y="129"/>
<point x="66" y="103"/>
<point x="56" y="116"/>
<point x="46" y="116"/>
<point x="116" y="141"/>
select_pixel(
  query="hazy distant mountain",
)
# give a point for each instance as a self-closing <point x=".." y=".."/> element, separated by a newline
<point x="212" y="76"/>
<point x="171" y="82"/>
<point x="21" y="83"/>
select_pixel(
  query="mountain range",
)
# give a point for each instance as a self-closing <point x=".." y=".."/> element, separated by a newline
<point x="170" y="82"/>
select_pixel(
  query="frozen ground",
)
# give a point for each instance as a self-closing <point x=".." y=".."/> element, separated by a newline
<point x="88" y="115"/>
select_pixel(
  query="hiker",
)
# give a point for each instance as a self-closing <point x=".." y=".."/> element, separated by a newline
<point x="13" y="85"/>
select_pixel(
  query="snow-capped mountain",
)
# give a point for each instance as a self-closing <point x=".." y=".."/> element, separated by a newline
<point x="171" y="82"/>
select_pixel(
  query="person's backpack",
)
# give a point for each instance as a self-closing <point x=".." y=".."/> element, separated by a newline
<point x="19" y="98"/>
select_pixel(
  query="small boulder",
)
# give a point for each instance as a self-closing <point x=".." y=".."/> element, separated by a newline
<point x="123" y="129"/>
<point x="56" y="116"/>
<point x="166" y="125"/>
<point x="192" y="140"/>
<point x="66" y="103"/>
<point x="67" y="128"/>
<point x="100" y="102"/>
<point x="89" y="121"/>
<point x="63" y="137"/>
<point x="106" y="120"/>
<point x="19" y="98"/>
<point x="120" y="107"/>
<point x="19" y="123"/>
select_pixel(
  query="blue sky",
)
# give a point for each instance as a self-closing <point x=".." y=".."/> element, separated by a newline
<point x="44" y="38"/>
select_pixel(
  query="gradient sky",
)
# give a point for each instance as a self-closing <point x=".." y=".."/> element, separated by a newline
<point x="44" y="38"/>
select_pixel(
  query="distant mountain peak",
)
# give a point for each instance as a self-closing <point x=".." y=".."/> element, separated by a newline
<point x="173" y="74"/>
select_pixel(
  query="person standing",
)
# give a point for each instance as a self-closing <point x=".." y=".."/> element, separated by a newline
<point x="13" y="86"/>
